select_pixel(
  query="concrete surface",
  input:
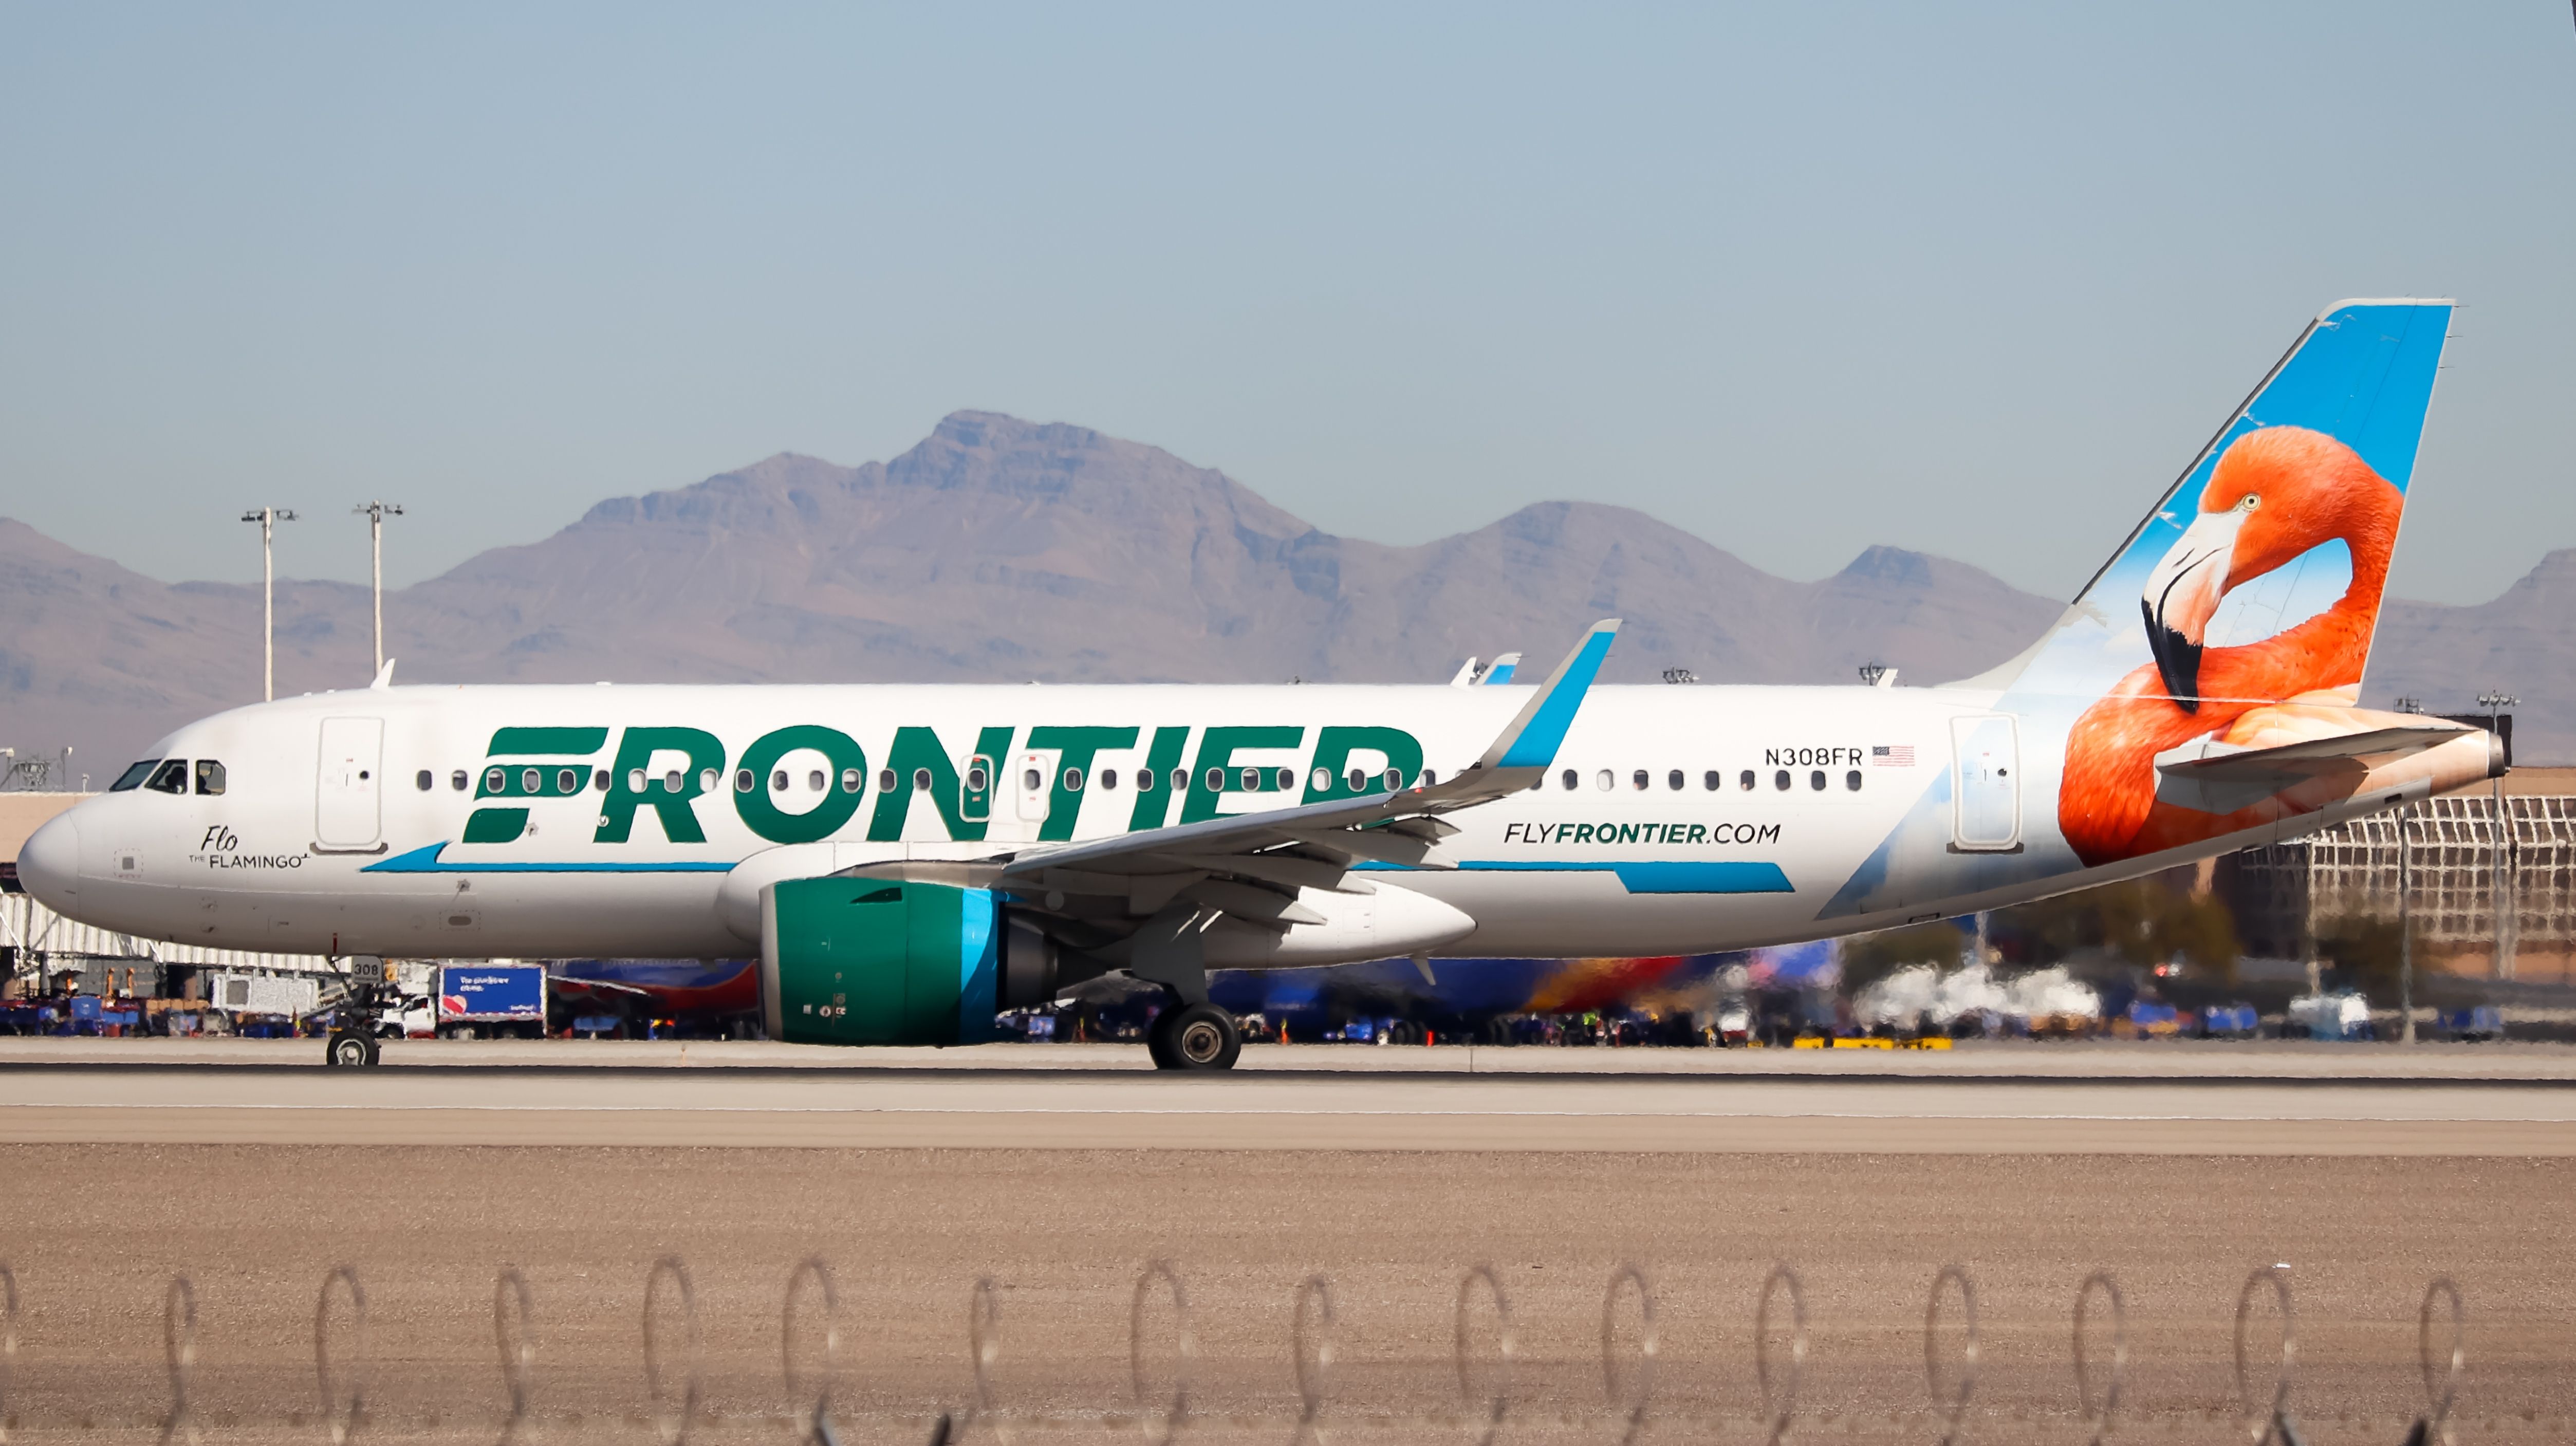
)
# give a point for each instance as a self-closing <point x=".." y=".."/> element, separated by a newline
<point x="95" y="1232"/>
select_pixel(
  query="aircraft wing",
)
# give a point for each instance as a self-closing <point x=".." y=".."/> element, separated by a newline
<point x="1250" y="866"/>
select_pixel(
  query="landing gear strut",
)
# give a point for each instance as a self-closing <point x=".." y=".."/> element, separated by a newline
<point x="1194" y="1037"/>
<point x="353" y="1038"/>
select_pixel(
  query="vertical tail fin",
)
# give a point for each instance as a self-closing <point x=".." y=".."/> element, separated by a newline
<point x="2283" y="525"/>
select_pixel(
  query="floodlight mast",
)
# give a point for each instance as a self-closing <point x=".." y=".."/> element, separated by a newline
<point x="2508" y="921"/>
<point x="268" y="518"/>
<point x="376" y="513"/>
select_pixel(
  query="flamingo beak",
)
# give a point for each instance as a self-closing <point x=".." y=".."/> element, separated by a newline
<point x="2182" y="595"/>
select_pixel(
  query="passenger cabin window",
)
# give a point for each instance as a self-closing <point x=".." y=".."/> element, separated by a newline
<point x="1816" y="780"/>
<point x="1603" y="780"/>
<point x="1073" y="780"/>
<point x="1709" y="780"/>
<point x="459" y="778"/>
<point x="1640" y="780"/>
<point x="778" y="781"/>
<point x="1180" y="779"/>
<point x="1146" y="780"/>
<point x="1287" y="779"/>
<point x="426" y="780"/>
<point x="170" y="777"/>
<point x="567" y="781"/>
<point x="1430" y="777"/>
<point x="1109" y="778"/>
<point x="210" y="778"/>
<point x="133" y="777"/>
<point x="1780" y="780"/>
<point x="1569" y="780"/>
<point x="1851" y="780"/>
<point x="921" y="780"/>
<point x="1673" y="780"/>
<point x="1746" y="782"/>
<point x="885" y="780"/>
<point x="851" y="778"/>
<point x="814" y="781"/>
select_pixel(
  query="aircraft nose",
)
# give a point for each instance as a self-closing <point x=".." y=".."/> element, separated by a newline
<point x="49" y="862"/>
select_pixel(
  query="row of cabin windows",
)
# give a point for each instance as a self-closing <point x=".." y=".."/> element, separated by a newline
<point x="171" y="775"/>
<point x="567" y="781"/>
<point x="1782" y="780"/>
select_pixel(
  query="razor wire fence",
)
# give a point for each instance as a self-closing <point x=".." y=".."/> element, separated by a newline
<point x="1484" y="1334"/>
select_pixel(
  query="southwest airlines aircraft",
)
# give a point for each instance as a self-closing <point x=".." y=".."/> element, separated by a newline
<point x="910" y="860"/>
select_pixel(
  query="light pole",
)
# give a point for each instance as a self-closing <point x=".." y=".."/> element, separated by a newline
<point x="376" y="513"/>
<point x="268" y="518"/>
<point x="2506" y="917"/>
<point x="2405" y="927"/>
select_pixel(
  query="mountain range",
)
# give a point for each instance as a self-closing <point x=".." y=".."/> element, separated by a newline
<point x="999" y="550"/>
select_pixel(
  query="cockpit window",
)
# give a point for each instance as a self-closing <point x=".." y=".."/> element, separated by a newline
<point x="210" y="777"/>
<point x="133" y="777"/>
<point x="170" y="777"/>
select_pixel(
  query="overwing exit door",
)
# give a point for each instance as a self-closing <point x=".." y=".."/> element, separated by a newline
<point x="1985" y="783"/>
<point x="347" y="816"/>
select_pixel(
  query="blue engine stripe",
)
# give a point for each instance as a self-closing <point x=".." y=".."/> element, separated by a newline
<point x="978" y="968"/>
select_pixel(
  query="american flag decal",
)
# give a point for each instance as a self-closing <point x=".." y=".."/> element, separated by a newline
<point x="1892" y="755"/>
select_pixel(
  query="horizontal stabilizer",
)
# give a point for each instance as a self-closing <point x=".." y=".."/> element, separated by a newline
<point x="2378" y="742"/>
<point x="2219" y="778"/>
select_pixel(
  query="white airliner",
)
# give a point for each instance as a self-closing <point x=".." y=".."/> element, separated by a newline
<point x="910" y="860"/>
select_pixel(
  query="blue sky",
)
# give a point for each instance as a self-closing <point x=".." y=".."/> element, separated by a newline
<point x="1974" y="279"/>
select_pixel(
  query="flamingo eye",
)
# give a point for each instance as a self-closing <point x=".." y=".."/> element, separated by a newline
<point x="2251" y="501"/>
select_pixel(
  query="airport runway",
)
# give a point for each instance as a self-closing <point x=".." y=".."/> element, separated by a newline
<point x="1058" y="1172"/>
<point x="2142" y="1099"/>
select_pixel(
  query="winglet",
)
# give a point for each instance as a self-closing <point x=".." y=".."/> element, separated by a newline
<point x="384" y="677"/>
<point x="1531" y="741"/>
<point x="1502" y="670"/>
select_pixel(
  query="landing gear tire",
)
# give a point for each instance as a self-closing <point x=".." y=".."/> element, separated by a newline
<point x="352" y="1048"/>
<point x="1195" y="1037"/>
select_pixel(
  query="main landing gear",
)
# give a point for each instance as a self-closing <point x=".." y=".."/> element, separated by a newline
<point x="352" y="1047"/>
<point x="1194" y="1037"/>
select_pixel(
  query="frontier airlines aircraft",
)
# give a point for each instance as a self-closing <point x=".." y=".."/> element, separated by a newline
<point x="908" y="861"/>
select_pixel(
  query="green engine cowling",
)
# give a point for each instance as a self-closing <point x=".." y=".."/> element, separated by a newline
<point x="863" y="961"/>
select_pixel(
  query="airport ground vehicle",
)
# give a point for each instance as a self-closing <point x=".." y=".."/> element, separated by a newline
<point x="498" y="1000"/>
<point x="910" y="862"/>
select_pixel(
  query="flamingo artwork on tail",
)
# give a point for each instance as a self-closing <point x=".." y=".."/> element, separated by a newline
<point x="2276" y="495"/>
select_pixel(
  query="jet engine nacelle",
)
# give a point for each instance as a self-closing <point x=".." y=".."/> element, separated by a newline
<point x="864" y="961"/>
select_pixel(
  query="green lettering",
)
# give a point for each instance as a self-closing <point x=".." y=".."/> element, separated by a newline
<point x="495" y="825"/>
<point x="559" y="742"/>
<point x="759" y="809"/>
<point x="635" y="755"/>
<point x="1698" y="833"/>
<point x="1079" y="746"/>
<point x="1217" y="747"/>
<point x="1583" y="833"/>
<point x="914" y="750"/>
<point x="1333" y="749"/>
<point x="1154" y="805"/>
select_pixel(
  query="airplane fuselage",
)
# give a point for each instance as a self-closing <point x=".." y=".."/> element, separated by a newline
<point x="640" y="820"/>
